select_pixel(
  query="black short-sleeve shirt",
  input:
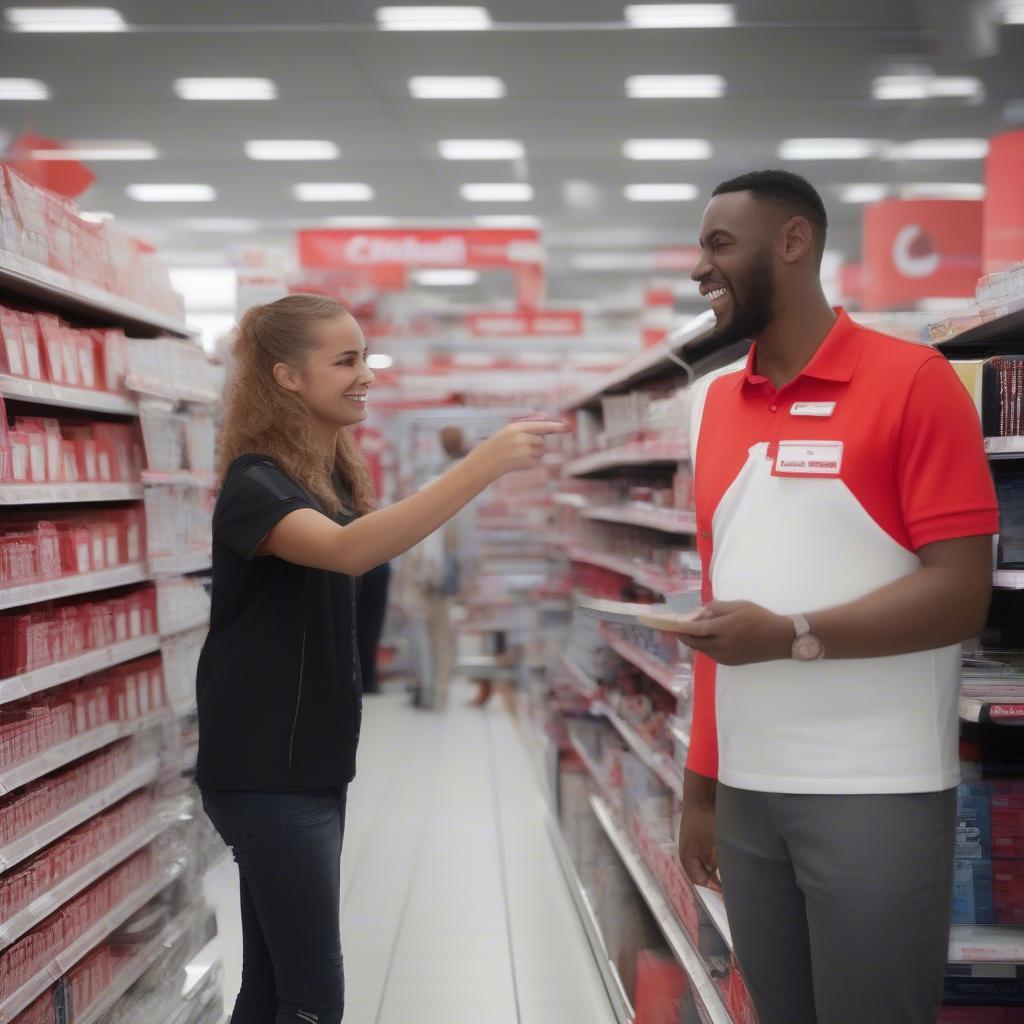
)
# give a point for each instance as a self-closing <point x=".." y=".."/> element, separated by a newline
<point x="278" y="686"/>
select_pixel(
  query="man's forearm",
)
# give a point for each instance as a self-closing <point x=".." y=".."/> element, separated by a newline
<point x="698" y="790"/>
<point x="934" y="607"/>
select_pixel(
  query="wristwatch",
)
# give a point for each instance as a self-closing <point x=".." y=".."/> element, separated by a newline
<point x="806" y="646"/>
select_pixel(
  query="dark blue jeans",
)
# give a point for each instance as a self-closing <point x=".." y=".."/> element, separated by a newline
<point x="288" y="850"/>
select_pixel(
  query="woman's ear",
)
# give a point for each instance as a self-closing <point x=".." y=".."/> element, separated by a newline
<point x="287" y="377"/>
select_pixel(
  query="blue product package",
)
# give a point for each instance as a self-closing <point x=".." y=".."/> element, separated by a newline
<point x="973" y="900"/>
<point x="973" y="825"/>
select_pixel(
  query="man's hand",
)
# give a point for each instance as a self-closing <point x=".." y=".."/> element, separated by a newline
<point x="740" y="633"/>
<point x="697" y="830"/>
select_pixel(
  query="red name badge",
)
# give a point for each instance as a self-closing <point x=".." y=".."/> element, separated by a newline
<point x="808" y="458"/>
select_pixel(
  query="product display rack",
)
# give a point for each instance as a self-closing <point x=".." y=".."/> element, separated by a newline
<point x="85" y="306"/>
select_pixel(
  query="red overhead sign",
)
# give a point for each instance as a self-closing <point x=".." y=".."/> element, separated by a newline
<point x="920" y="248"/>
<point x="435" y="247"/>
<point x="1004" y="202"/>
<point x="567" y="323"/>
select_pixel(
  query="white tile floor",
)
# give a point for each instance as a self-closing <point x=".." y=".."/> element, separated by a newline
<point x="454" y="909"/>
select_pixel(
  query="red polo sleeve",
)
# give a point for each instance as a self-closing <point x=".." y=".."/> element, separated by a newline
<point x="703" y="754"/>
<point x="945" y="484"/>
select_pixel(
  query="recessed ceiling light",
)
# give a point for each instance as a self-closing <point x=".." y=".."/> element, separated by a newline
<point x="379" y="361"/>
<point x="65" y="19"/>
<point x="292" y="149"/>
<point x="150" y="193"/>
<point x="23" y="89"/>
<point x="943" y="190"/>
<point x="366" y="221"/>
<point x="333" y="191"/>
<point x="225" y="89"/>
<point x="229" y="225"/>
<point x="666" y="149"/>
<point x="660" y="193"/>
<point x="681" y="15"/>
<point x="96" y="216"/>
<point x="507" y="220"/>
<point x="497" y="192"/>
<point x="925" y="86"/>
<point x="481" y="149"/>
<point x="1012" y="12"/>
<point x="938" y="149"/>
<point x="862" y="193"/>
<point x="827" y="149"/>
<point x="649" y="87"/>
<point x="433" y="19"/>
<point x="94" y="149"/>
<point x="447" y="87"/>
<point x="446" y="278"/>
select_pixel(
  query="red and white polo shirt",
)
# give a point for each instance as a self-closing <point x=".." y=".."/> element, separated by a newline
<point x="811" y="496"/>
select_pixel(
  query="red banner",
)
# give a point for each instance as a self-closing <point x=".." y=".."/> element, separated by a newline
<point x="1004" y="202"/>
<point x="920" y="248"/>
<point x="565" y="323"/>
<point x="437" y="247"/>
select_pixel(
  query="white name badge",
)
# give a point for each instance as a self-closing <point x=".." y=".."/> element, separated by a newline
<point x="820" y="409"/>
<point x="808" y="458"/>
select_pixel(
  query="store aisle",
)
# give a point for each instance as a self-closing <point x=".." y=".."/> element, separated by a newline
<point x="454" y="908"/>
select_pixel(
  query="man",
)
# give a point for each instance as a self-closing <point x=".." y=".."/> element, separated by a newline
<point x="845" y="511"/>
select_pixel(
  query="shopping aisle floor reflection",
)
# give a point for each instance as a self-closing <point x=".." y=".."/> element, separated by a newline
<point x="454" y="909"/>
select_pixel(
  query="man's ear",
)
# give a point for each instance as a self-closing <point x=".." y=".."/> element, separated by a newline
<point x="796" y="239"/>
<point x="287" y="377"/>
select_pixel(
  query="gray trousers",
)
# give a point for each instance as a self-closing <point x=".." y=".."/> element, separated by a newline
<point x="839" y="905"/>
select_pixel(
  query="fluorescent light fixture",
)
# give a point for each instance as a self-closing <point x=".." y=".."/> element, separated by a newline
<point x="82" y="149"/>
<point x="681" y="15"/>
<point x="660" y="193"/>
<point x="507" y="220"/>
<point x="481" y="149"/>
<point x="1012" y="12"/>
<point x="601" y="261"/>
<point x="497" y="192"/>
<point x="23" y="89"/>
<point x="446" y="278"/>
<point x="65" y="19"/>
<point x="379" y="361"/>
<point x="926" y="87"/>
<point x="292" y="149"/>
<point x="225" y="89"/>
<point x="447" y="87"/>
<point x="651" y="87"/>
<point x="333" y="191"/>
<point x="365" y="221"/>
<point x="149" y="193"/>
<point x="96" y="216"/>
<point x="862" y="193"/>
<point x="666" y="149"/>
<point x="227" y="225"/>
<point x="433" y="19"/>
<point x="827" y="149"/>
<point x="938" y="149"/>
<point x="943" y="190"/>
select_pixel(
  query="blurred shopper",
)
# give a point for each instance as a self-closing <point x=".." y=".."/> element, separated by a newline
<point x="434" y="577"/>
<point x="845" y="510"/>
<point x="279" y="680"/>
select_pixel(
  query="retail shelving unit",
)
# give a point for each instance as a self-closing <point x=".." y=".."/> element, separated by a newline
<point x="157" y="763"/>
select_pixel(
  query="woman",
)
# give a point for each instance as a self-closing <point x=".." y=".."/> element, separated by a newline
<point x="278" y="681"/>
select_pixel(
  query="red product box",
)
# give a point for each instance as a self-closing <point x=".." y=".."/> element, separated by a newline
<point x="12" y="351"/>
<point x="31" y="346"/>
<point x="1008" y="834"/>
<point x="1008" y="890"/>
<point x="51" y="334"/>
<point x="5" y="445"/>
<point x="737" y="997"/>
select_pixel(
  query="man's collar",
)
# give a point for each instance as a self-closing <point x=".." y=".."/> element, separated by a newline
<point x="835" y="360"/>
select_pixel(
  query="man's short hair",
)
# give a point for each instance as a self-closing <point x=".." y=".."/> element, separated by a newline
<point x="796" y="195"/>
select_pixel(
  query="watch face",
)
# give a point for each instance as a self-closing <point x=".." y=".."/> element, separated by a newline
<point x="808" y="648"/>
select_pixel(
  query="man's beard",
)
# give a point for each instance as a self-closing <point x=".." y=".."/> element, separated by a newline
<point x="757" y="310"/>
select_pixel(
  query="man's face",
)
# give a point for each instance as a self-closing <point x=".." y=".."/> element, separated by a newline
<point x="735" y="268"/>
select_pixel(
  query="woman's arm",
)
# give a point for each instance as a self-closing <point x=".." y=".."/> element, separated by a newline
<point x="307" y="537"/>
